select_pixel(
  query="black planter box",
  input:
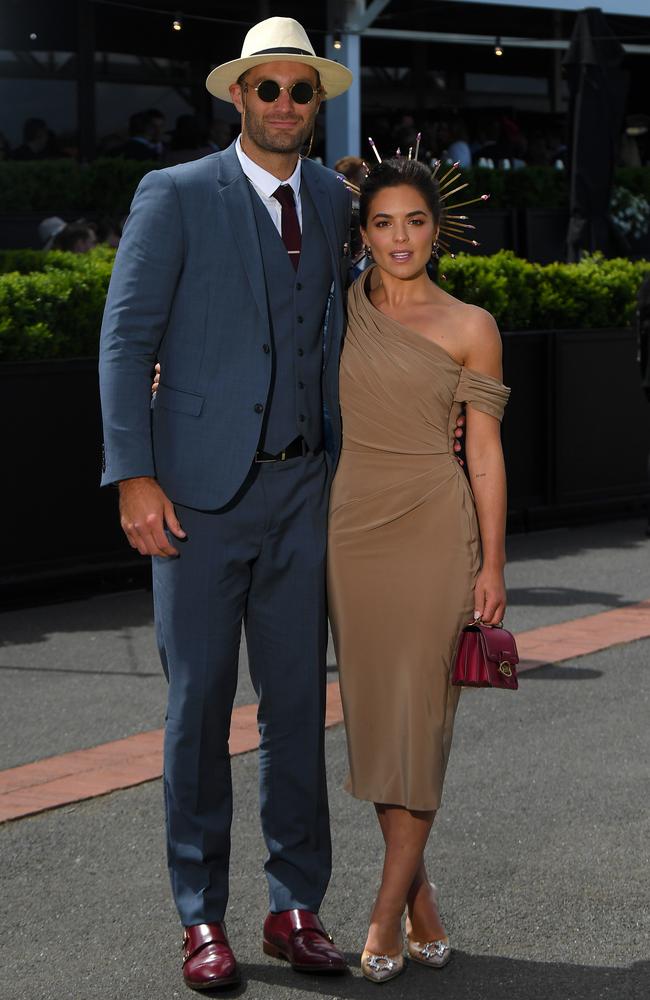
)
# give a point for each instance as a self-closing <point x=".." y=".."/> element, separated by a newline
<point x="56" y="516"/>
<point x="577" y="429"/>
<point x="495" y="230"/>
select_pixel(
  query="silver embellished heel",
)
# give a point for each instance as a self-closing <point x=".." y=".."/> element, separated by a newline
<point x="434" y="954"/>
<point x="381" y="968"/>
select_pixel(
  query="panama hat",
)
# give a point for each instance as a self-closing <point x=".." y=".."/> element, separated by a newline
<point x="278" y="39"/>
<point x="49" y="229"/>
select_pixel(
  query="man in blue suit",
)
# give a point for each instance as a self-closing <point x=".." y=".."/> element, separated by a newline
<point x="232" y="271"/>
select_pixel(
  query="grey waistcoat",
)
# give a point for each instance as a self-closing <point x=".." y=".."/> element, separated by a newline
<point x="297" y="304"/>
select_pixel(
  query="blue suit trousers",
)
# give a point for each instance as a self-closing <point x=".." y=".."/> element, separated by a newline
<point x="259" y="561"/>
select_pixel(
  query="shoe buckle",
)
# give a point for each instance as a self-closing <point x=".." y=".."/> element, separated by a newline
<point x="381" y="963"/>
<point x="433" y="949"/>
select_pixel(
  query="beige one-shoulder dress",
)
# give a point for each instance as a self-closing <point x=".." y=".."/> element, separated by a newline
<point x="404" y="552"/>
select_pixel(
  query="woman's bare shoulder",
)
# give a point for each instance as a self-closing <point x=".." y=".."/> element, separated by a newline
<point x="479" y="337"/>
<point x="480" y="324"/>
<point x="473" y="322"/>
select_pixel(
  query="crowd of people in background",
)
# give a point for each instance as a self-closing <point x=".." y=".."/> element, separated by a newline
<point x="493" y="140"/>
<point x="78" y="236"/>
<point x="499" y="140"/>
<point x="150" y="139"/>
<point x="147" y="137"/>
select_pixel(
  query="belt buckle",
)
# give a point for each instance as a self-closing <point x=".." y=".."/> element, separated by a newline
<point x="281" y="456"/>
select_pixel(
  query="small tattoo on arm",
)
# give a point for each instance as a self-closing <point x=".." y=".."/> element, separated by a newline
<point x="480" y="475"/>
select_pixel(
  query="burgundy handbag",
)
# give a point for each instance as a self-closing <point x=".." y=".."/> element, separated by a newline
<point x="486" y="657"/>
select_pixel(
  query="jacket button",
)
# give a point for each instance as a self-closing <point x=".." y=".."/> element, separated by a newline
<point x="266" y="348"/>
<point x="300" y="352"/>
<point x="298" y="286"/>
<point x="301" y="385"/>
<point x="258" y="408"/>
<point x="301" y="319"/>
<point x="301" y="418"/>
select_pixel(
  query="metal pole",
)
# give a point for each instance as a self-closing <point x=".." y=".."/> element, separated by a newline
<point x="86" y="80"/>
<point x="343" y="114"/>
<point x="556" y="79"/>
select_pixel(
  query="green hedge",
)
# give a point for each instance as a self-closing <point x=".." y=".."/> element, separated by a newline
<point x="28" y="261"/>
<point x="54" y="308"/>
<point x="106" y="187"/>
<point x="593" y="294"/>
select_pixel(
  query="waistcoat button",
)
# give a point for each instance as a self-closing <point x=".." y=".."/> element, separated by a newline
<point x="258" y="408"/>
<point x="298" y="286"/>
<point x="266" y="348"/>
<point x="301" y="418"/>
<point x="300" y="352"/>
<point x="301" y="319"/>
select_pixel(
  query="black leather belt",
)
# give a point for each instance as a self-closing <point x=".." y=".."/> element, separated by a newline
<point x="296" y="449"/>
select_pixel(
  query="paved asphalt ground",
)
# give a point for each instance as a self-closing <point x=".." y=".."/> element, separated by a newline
<point x="540" y="851"/>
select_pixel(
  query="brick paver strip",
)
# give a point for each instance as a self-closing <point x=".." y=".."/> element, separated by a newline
<point x="83" y="774"/>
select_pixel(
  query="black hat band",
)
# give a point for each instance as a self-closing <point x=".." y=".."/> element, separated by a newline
<point x="287" y="51"/>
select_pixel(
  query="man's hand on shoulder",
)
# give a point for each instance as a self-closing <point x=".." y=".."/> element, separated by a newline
<point x="144" y="512"/>
<point x="459" y="443"/>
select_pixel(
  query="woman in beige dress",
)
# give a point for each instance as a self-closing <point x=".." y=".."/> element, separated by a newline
<point x="416" y="549"/>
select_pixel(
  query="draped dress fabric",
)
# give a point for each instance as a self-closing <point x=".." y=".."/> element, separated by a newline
<point x="404" y="552"/>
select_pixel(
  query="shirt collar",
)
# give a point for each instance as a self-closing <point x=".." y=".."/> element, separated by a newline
<point x="262" y="179"/>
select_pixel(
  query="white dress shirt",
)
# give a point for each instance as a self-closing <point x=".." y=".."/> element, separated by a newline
<point x="265" y="184"/>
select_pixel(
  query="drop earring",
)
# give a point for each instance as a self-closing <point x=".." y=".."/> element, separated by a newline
<point x="368" y="252"/>
<point x="436" y="254"/>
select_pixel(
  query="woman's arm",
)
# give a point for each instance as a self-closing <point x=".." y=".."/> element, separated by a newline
<point x="487" y="471"/>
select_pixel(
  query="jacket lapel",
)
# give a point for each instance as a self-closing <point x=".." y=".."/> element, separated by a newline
<point x="236" y="200"/>
<point x="323" y="205"/>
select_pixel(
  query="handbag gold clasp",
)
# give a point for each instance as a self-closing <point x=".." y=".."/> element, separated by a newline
<point x="505" y="668"/>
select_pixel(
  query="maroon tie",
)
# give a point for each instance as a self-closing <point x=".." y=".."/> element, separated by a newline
<point x="291" y="236"/>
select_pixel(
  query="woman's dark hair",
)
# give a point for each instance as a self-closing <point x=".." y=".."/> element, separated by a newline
<point x="395" y="173"/>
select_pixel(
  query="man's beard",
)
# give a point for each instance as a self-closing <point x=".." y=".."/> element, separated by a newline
<point x="281" y="142"/>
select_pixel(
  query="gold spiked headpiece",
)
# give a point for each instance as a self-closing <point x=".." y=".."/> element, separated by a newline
<point x="453" y="226"/>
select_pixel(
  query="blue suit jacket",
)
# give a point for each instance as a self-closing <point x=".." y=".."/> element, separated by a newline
<point x="188" y="288"/>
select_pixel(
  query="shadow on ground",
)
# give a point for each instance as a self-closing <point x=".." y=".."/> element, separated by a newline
<point x="478" y="977"/>
<point x="558" y="672"/>
<point x="556" y="543"/>
<point x="563" y="597"/>
<point x="115" y="613"/>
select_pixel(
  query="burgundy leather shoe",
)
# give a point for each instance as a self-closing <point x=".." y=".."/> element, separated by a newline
<point x="299" y="937"/>
<point x="208" y="961"/>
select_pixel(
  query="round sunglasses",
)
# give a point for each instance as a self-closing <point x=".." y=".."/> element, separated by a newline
<point x="300" y="92"/>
